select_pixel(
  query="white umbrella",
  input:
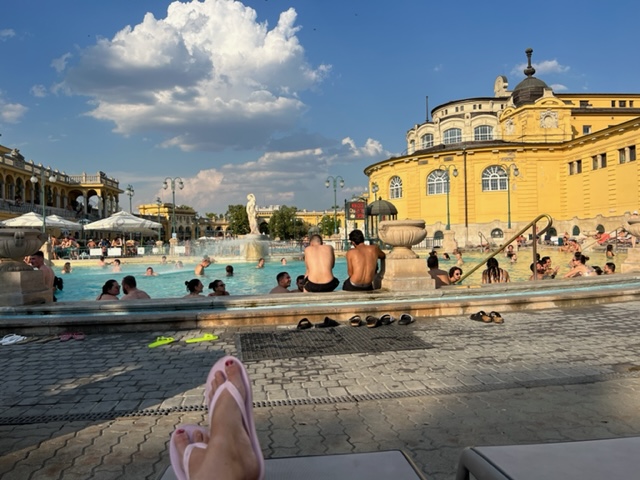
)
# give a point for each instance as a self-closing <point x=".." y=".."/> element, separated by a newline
<point x="124" y="222"/>
<point x="30" y="219"/>
<point x="56" y="221"/>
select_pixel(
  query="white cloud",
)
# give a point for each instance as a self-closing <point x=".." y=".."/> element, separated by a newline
<point x="276" y="178"/>
<point x="558" y="87"/>
<point x="544" y="67"/>
<point x="59" y="64"/>
<point x="438" y="68"/>
<point x="7" y="33"/>
<point x="11" y="112"/>
<point x="209" y="76"/>
<point x="38" y="91"/>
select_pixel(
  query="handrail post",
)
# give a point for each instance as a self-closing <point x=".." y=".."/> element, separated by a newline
<point x="534" y="249"/>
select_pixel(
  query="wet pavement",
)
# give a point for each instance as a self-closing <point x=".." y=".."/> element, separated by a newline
<point x="104" y="407"/>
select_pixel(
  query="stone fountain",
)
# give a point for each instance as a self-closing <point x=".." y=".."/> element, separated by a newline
<point x="632" y="262"/>
<point x="21" y="284"/>
<point x="403" y="269"/>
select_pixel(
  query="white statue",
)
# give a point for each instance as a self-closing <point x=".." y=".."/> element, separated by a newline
<point x="252" y="214"/>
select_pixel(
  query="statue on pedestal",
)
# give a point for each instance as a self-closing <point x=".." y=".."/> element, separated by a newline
<point x="252" y="214"/>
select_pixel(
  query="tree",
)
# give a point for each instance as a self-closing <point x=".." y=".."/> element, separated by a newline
<point x="238" y="220"/>
<point x="327" y="226"/>
<point x="282" y="223"/>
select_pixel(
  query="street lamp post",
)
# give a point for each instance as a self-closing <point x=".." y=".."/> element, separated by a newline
<point x="43" y="178"/>
<point x="510" y="168"/>
<point x="447" y="168"/>
<point x="130" y="193"/>
<point x="173" y="182"/>
<point x="327" y="184"/>
<point x="159" y="204"/>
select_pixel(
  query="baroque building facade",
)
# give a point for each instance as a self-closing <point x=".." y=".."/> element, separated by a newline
<point x="487" y="166"/>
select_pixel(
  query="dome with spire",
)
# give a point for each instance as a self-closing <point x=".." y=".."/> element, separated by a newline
<point x="531" y="88"/>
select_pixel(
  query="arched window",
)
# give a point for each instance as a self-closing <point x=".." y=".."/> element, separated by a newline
<point x="412" y="146"/>
<point x="497" y="233"/>
<point x="438" y="235"/>
<point x="494" y="178"/>
<point x="427" y="140"/>
<point x="395" y="187"/>
<point x="600" y="229"/>
<point x="453" y="135"/>
<point x="437" y="182"/>
<point x="576" y="231"/>
<point x="483" y="132"/>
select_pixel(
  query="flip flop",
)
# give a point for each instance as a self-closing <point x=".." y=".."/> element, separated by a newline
<point x="181" y="464"/>
<point x="206" y="337"/>
<point x="496" y="317"/>
<point x="328" y="322"/>
<point x="11" y="339"/>
<point x="356" y="321"/>
<point x="161" y="341"/>
<point x="406" y="319"/>
<point x="387" y="319"/>
<point x="372" y="322"/>
<point x="245" y="405"/>
<point x="65" y="337"/>
<point x="78" y="336"/>
<point x="478" y="316"/>
<point x="304" y="323"/>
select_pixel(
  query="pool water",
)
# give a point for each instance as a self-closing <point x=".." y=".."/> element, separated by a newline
<point x="85" y="281"/>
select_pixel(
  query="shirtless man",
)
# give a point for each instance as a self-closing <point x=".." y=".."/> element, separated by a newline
<point x="130" y="289"/>
<point x="206" y="261"/>
<point x="362" y="263"/>
<point x="440" y="276"/>
<point x="284" y="282"/>
<point x="37" y="261"/>
<point x="319" y="260"/>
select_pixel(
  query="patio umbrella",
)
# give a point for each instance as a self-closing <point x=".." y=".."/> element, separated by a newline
<point x="30" y="219"/>
<point x="56" y="221"/>
<point x="125" y="222"/>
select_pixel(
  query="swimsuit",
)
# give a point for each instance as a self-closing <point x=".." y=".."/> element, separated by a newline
<point x="309" y="286"/>
<point x="356" y="287"/>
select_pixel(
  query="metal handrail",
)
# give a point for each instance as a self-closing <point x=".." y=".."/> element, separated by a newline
<point x="536" y="234"/>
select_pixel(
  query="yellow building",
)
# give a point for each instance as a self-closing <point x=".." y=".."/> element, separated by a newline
<point x="486" y="162"/>
<point x="22" y="184"/>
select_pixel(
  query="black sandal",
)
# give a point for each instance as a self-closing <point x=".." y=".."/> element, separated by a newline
<point x="304" y="323"/>
<point x="355" y="321"/>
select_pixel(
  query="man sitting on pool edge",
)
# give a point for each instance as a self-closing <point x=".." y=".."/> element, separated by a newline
<point x="362" y="263"/>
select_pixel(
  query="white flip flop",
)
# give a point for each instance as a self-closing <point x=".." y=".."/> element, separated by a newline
<point x="11" y="339"/>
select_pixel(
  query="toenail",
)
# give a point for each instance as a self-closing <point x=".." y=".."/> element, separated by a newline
<point x="228" y="363"/>
<point x="180" y="431"/>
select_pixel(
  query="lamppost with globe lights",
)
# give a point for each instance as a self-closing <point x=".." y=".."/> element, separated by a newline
<point x="130" y="193"/>
<point x="43" y="178"/>
<point x="159" y="204"/>
<point x="509" y="169"/>
<point x="447" y="169"/>
<point x="327" y="184"/>
<point x="173" y="182"/>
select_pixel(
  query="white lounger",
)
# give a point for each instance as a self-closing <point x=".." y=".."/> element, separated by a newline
<point x="392" y="464"/>
<point x="612" y="459"/>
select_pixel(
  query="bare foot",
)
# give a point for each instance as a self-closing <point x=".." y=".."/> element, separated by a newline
<point x="229" y="452"/>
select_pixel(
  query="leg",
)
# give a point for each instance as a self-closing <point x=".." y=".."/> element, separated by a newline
<point x="229" y="451"/>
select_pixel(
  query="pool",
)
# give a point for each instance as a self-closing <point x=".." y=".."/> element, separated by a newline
<point x="86" y="280"/>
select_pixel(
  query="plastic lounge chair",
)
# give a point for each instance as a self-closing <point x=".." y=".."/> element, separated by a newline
<point x="384" y="465"/>
<point x="589" y="460"/>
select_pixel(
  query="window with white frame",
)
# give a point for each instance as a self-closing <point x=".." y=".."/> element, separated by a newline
<point x="412" y="146"/>
<point x="437" y="182"/>
<point x="427" y="140"/>
<point x="494" y="178"/>
<point x="395" y="187"/>
<point x="483" y="132"/>
<point x="452" y="135"/>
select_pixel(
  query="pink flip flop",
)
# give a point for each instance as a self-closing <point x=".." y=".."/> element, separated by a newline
<point x="179" y="463"/>
<point x="246" y="405"/>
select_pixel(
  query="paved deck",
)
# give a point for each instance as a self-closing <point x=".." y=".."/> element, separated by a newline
<point x="104" y="407"/>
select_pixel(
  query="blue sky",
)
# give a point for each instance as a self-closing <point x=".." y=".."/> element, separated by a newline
<point x="270" y="97"/>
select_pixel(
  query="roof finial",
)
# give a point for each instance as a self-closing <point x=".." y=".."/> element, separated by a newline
<point x="529" y="71"/>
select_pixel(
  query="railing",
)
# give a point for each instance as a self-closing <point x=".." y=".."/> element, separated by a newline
<point x="533" y="225"/>
<point x="486" y="240"/>
<point x="613" y="239"/>
<point x="11" y="206"/>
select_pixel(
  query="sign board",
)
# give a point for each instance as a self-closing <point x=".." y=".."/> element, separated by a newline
<point x="356" y="210"/>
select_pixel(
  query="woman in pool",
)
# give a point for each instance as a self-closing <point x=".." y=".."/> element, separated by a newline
<point x="194" y="287"/>
<point x="219" y="288"/>
<point x="67" y="267"/>
<point x="494" y="274"/>
<point x="110" y="291"/>
<point x="455" y="273"/>
<point x="609" y="252"/>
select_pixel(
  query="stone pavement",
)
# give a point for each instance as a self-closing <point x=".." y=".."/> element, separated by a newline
<point x="104" y="407"/>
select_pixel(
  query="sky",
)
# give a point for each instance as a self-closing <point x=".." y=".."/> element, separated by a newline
<point x="272" y="97"/>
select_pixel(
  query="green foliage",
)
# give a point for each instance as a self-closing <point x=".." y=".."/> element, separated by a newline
<point x="285" y="226"/>
<point x="327" y="225"/>
<point x="238" y="220"/>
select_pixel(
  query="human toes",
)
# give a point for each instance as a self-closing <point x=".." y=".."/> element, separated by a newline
<point x="235" y="373"/>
